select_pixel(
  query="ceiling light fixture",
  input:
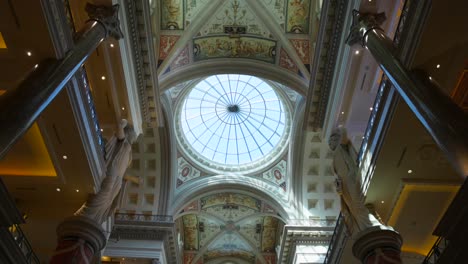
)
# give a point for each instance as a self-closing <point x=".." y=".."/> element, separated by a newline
<point x="58" y="189"/>
<point x="77" y="190"/>
<point x="103" y="77"/>
<point x="410" y="171"/>
<point x="65" y="157"/>
<point x="29" y="53"/>
<point x="382" y="201"/>
<point x="342" y="113"/>
<point x="102" y="130"/>
<point x="371" y="108"/>
<point x="438" y="66"/>
<point x="430" y="78"/>
<point x="356" y="52"/>
<point x="111" y="45"/>
<point x="35" y="66"/>
<point x="123" y="108"/>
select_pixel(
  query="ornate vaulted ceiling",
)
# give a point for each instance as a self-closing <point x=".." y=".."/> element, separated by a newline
<point x="229" y="226"/>
<point x="277" y="32"/>
<point x="271" y="34"/>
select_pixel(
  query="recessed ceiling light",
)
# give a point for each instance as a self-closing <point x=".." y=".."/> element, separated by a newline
<point x="430" y="78"/>
<point x="356" y="52"/>
<point x="58" y="189"/>
<point x="103" y="78"/>
<point x="382" y="201"/>
<point x="102" y="130"/>
<point x="438" y="66"/>
<point x="77" y="190"/>
<point x="410" y="171"/>
<point x="29" y="53"/>
<point x="371" y="108"/>
<point x="111" y="45"/>
<point x="123" y="108"/>
<point x="65" y="157"/>
<point x="35" y="66"/>
<point x="342" y="113"/>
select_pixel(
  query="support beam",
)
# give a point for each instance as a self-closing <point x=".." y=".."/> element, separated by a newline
<point x="20" y="107"/>
<point x="442" y="118"/>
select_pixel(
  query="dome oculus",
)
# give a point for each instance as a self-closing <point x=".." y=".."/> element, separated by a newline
<point x="232" y="119"/>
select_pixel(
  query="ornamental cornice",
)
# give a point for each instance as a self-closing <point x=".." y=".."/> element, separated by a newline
<point x="138" y="54"/>
<point x="325" y="62"/>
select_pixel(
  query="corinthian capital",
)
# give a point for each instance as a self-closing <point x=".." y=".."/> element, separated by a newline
<point x="108" y="16"/>
<point x="363" y="22"/>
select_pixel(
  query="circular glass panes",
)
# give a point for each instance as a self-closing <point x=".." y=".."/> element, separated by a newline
<point x="232" y="119"/>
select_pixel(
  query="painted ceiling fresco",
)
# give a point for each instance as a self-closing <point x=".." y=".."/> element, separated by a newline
<point x="264" y="30"/>
<point x="229" y="225"/>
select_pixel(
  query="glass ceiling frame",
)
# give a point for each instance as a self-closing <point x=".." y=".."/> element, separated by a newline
<point x="233" y="123"/>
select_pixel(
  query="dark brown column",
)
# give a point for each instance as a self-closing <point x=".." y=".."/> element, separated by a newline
<point x="20" y="107"/>
<point x="442" y="118"/>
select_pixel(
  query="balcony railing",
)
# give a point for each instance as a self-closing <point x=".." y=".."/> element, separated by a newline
<point x="337" y="241"/>
<point x="83" y="77"/>
<point x="23" y="244"/>
<point x="121" y="218"/>
<point x="436" y="250"/>
<point x="312" y="222"/>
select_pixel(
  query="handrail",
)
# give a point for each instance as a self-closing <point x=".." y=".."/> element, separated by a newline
<point x="436" y="250"/>
<point x="23" y="243"/>
<point x="339" y="222"/>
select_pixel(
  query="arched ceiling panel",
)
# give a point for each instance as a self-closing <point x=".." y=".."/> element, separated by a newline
<point x="229" y="225"/>
<point x="277" y="32"/>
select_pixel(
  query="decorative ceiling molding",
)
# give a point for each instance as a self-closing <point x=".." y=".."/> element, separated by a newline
<point x="235" y="183"/>
<point x="229" y="223"/>
<point x="329" y="38"/>
<point x="189" y="33"/>
<point x="132" y="15"/>
<point x="238" y="66"/>
<point x="153" y="65"/>
<point x="154" y="233"/>
<point x="304" y="235"/>
<point x="258" y="7"/>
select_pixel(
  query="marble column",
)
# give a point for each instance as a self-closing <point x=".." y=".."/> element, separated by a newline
<point x="79" y="239"/>
<point x="20" y="107"/>
<point x="443" y="119"/>
<point x="378" y="245"/>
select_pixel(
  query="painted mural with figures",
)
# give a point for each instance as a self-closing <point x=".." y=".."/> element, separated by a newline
<point x="172" y="14"/>
<point x="236" y="18"/>
<point x="298" y="16"/>
<point x="241" y="47"/>
<point x="230" y="225"/>
<point x="235" y="30"/>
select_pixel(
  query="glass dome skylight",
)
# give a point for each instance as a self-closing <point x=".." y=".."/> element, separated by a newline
<point x="232" y="119"/>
